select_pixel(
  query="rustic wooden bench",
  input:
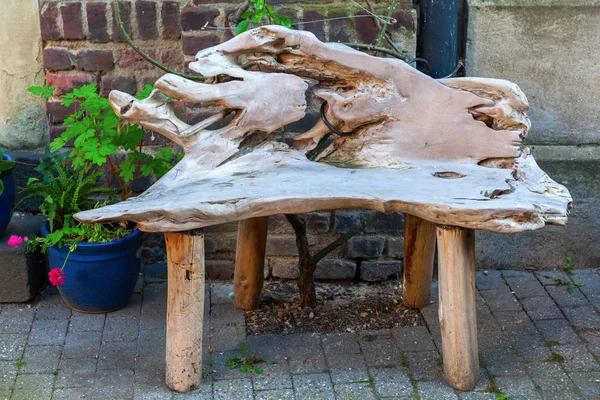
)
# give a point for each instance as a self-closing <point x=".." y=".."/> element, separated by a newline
<point x="447" y="153"/>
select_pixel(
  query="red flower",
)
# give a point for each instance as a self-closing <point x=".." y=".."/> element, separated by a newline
<point x="57" y="277"/>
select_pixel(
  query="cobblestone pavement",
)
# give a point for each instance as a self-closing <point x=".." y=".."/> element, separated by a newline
<point x="536" y="341"/>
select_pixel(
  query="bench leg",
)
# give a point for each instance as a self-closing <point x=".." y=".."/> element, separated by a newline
<point x="457" y="309"/>
<point x="419" y="252"/>
<point x="250" y="262"/>
<point x="185" y="309"/>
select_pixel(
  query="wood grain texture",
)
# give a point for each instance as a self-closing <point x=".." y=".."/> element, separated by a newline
<point x="250" y="262"/>
<point x="185" y="309"/>
<point x="457" y="308"/>
<point x="456" y="143"/>
<point x="419" y="252"/>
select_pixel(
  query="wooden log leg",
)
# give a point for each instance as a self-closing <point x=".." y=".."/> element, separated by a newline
<point x="419" y="252"/>
<point x="457" y="313"/>
<point x="185" y="309"/>
<point x="250" y="262"/>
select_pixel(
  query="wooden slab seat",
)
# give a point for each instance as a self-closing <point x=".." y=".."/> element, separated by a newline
<point x="447" y="153"/>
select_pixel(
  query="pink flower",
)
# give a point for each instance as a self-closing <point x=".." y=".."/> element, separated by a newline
<point x="57" y="277"/>
<point x="15" y="241"/>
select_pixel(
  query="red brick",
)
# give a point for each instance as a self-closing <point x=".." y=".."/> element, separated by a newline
<point x="56" y="131"/>
<point x="192" y="44"/>
<point x="209" y="1"/>
<point x="57" y="113"/>
<point x="125" y="84"/>
<point x="96" y="17"/>
<point x="149" y="80"/>
<point x="66" y="83"/>
<point x="338" y="29"/>
<point x="57" y="58"/>
<point x="171" y="20"/>
<point x="130" y="59"/>
<point x="366" y="29"/>
<point x="404" y="18"/>
<point x="95" y="60"/>
<point x="146" y="16"/>
<point x="125" y="8"/>
<point x="48" y="22"/>
<point x="172" y="58"/>
<point x="194" y="18"/>
<point x="71" y="19"/>
<point x="318" y="28"/>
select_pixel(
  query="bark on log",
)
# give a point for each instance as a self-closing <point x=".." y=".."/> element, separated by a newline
<point x="185" y="309"/>
<point x="250" y="262"/>
<point x="419" y="252"/>
<point x="457" y="308"/>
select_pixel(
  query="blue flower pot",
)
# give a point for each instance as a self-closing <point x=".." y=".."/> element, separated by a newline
<point x="7" y="198"/>
<point x="99" y="277"/>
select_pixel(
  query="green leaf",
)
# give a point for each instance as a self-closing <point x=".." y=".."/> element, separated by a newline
<point x="247" y="14"/>
<point x="242" y="27"/>
<point x="258" y="369"/>
<point x="256" y="18"/>
<point x="1" y="186"/>
<point x="246" y="368"/>
<point x="127" y="170"/>
<point x="37" y="90"/>
<point x="287" y="22"/>
<point x="570" y="289"/>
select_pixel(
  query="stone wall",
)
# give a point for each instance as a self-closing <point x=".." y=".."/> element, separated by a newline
<point x="82" y="44"/>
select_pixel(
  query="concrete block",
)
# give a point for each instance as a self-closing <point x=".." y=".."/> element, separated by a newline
<point x="23" y="274"/>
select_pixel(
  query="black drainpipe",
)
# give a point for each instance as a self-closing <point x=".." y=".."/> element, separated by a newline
<point x="440" y="36"/>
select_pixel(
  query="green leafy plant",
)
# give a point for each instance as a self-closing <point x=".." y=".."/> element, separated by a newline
<point x="257" y="12"/>
<point x="19" y="364"/>
<point x="98" y="137"/>
<point x="567" y="282"/>
<point x="5" y="165"/>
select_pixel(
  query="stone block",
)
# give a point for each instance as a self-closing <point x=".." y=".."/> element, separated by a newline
<point x="366" y="246"/>
<point x="395" y="247"/>
<point x="146" y="18"/>
<point x="317" y="27"/>
<point x="281" y="246"/>
<point x="333" y="268"/>
<point x="220" y="269"/>
<point x="97" y="22"/>
<point x="373" y="271"/>
<point x="95" y="60"/>
<point x="339" y="29"/>
<point x="22" y="275"/>
<point x="71" y="20"/>
<point x="125" y="84"/>
<point x="48" y="22"/>
<point x="171" y="20"/>
<point x="195" y="18"/>
<point x="193" y="44"/>
<point x="284" y="268"/>
<point x="57" y="58"/>
<point x="131" y="59"/>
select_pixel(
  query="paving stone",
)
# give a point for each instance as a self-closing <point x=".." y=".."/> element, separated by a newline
<point x="438" y="390"/>
<point x="591" y="288"/>
<point x="577" y="358"/>
<point x="541" y="308"/>
<point x="154" y="391"/>
<point x="16" y="319"/>
<point x="553" y="382"/>
<point x="526" y="286"/>
<point x="33" y="386"/>
<point x="269" y="346"/>
<point x="204" y="392"/>
<point x="531" y="349"/>
<point x="415" y="338"/>
<point x="233" y="389"/>
<point x="8" y="375"/>
<point x="278" y="394"/>
<point x="391" y="382"/>
<point x="340" y="343"/>
<point x="223" y="372"/>
<point x="117" y="355"/>
<point x="515" y="323"/>
<point x="133" y="308"/>
<point x="501" y="300"/>
<point x="583" y="317"/>
<point x="301" y="340"/>
<point x="548" y="278"/>
<point x="274" y="377"/>
<point x="225" y="338"/>
<point x="12" y="346"/>
<point x="121" y="329"/>
<point x="152" y="343"/>
<point x="502" y="361"/>
<point x="48" y="331"/>
<point x="306" y="360"/>
<point x="52" y="307"/>
<point x="354" y="391"/>
<point x="81" y="322"/>
<point x="114" y="383"/>
<point x="223" y="315"/>
<point x="518" y="387"/>
<point x="593" y="341"/>
<point x="514" y="273"/>
<point x="562" y="297"/>
<point x="76" y="373"/>
<point x="150" y="370"/>
<point x="588" y="384"/>
<point x="425" y="365"/>
<point x="72" y="393"/>
<point x="381" y="353"/>
<point x="558" y="331"/>
<point x="219" y="293"/>
<point x="347" y="368"/>
<point x="487" y="280"/>
<point x="479" y="396"/>
<point x="82" y="345"/>
<point x="41" y="359"/>
<point x="313" y="387"/>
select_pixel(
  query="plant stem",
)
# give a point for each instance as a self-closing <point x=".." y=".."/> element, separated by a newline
<point x="151" y="60"/>
<point x="372" y="47"/>
<point x="384" y="27"/>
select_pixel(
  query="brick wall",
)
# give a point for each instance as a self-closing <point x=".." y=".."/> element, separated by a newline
<point x="82" y="44"/>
